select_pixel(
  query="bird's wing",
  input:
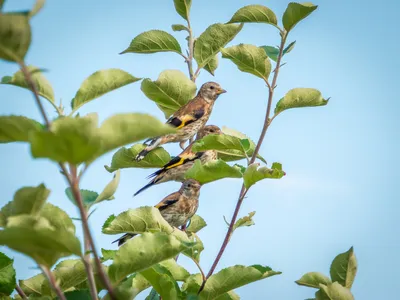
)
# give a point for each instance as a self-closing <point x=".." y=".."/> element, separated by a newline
<point x="188" y="113"/>
<point x="186" y="156"/>
<point x="168" y="201"/>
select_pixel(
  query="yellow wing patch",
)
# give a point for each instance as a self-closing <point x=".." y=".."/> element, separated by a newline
<point x="185" y="119"/>
<point x="178" y="163"/>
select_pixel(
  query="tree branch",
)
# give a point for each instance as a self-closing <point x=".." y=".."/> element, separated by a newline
<point x="53" y="282"/>
<point x="20" y="292"/>
<point x="189" y="59"/>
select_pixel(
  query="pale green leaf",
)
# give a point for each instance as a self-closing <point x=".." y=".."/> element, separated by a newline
<point x="182" y="7"/>
<point x="335" y="291"/>
<point x="100" y="83"/>
<point x="212" y="65"/>
<point x="29" y="200"/>
<point x="295" y="12"/>
<point x="125" y="158"/>
<point x="15" y="36"/>
<point x="289" y="48"/>
<point x="177" y="272"/>
<point x="33" y="285"/>
<point x="43" y="86"/>
<point x="17" y="128"/>
<point x="179" y="27"/>
<point x="210" y="42"/>
<point x="245" y="221"/>
<point x="254" y="14"/>
<point x="313" y="279"/>
<point x="272" y="52"/>
<point x="220" y="142"/>
<point x="37" y="7"/>
<point x="88" y="197"/>
<point x="344" y="268"/>
<point x="231" y="295"/>
<point x="107" y="254"/>
<point x="197" y="247"/>
<point x="58" y="218"/>
<point x="254" y="174"/>
<point x="212" y="171"/>
<point x="131" y="287"/>
<point x="110" y="189"/>
<point x="153" y="41"/>
<point x="170" y="91"/>
<point x="7" y="275"/>
<point x="300" y="97"/>
<point x="5" y="212"/>
<point x="196" y="224"/>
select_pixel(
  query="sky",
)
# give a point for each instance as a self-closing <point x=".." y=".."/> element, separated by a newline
<point x="341" y="160"/>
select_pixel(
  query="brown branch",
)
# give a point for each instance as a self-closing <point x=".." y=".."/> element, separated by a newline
<point x="20" y="292"/>
<point x="189" y="59"/>
<point x="53" y="282"/>
<point x="244" y="191"/>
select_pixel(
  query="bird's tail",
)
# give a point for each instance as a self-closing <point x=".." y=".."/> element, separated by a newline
<point x="154" y="142"/>
<point x="124" y="238"/>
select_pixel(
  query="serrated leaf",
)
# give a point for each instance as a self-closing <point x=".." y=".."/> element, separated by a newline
<point x="88" y="197"/>
<point x="210" y="42"/>
<point x="100" y="83"/>
<point x="245" y="221"/>
<point x="254" y="174"/>
<point x="295" y="12"/>
<point x="153" y="41"/>
<point x="125" y="158"/>
<point x="335" y="291"/>
<point x="300" y="97"/>
<point x="212" y="171"/>
<point x="289" y="48"/>
<point x="254" y="14"/>
<point x="29" y="200"/>
<point x="7" y="275"/>
<point x="170" y="91"/>
<point x="344" y="268"/>
<point x="42" y="243"/>
<point x="142" y="252"/>
<point x="17" y="128"/>
<point x="32" y="286"/>
<point x="313" y="279"/>
<point x="179" y="27"/>
<point x="272" y="52"/>
<point x="212" y="65"/>
<point x="182" y="7"/>
<point x="250" y="59"/>
<point x="110" y="189"/>
<point x="196" y="224"/>
<point x="43" y="86"/>
<point x="15" y="36"/>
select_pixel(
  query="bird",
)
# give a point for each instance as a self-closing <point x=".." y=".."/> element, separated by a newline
<point x="176" y="208"/>
<point x="188" y="119"/>
<point x="176" y="168"/>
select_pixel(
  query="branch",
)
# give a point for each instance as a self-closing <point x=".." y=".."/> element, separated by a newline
<point x="189" y="59"/>
<point x="20" y="292"/>
<point x="53" y="282"/>
<point x="244" y="191"/>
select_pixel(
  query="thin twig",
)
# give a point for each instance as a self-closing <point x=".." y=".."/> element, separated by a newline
<point x="243" y="191"/>
<point x="189" y="59"/>
<point x="53" y="282"/>
<point x="20" y="292"/>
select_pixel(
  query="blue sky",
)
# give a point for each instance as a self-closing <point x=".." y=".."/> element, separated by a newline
<point x="341" y="160"/>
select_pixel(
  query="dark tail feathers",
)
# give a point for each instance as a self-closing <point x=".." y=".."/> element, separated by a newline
<point x="145" y="187"/>
<point x="124" y="238"/>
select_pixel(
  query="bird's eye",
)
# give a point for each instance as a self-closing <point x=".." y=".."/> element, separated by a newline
<point x="212" y="87"/>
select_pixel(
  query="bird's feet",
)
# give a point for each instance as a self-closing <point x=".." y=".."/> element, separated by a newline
<point x="182" y="145"/>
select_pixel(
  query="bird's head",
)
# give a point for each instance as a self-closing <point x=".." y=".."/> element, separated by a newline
<point x="206" y="130"/>
<point x="191" y="188"/>
<point x="210" y="91"/>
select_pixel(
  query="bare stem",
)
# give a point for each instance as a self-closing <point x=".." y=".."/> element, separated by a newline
<point x="53" y="282"/>
<point x="189" y="59"/>
<point x="20" y="292"/>
<point x="244" y="191"/>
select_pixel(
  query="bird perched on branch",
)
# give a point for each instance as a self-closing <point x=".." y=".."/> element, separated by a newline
<point x="189" y="119"/>
<point x="177" y="208"/>
<point x="176" y="168"/>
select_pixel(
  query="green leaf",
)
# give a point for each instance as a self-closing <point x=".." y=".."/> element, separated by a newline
<point x="162" y="281"/>
<point x="170" y="91"/>
<point x="182" y="7"/>
<point x="37" y="7"/>
<point x="179" y="27"/>
<point x="344" y="268"/>
<point x="37" y="239"/>
<point x="125" y="158"/>
<point x="212" y="65"/>
<point x="254" y="14"/>
<point x="88" y="197"/>
<point x="33" y="285"/>
<point x="153" y="295"/>
<point x="153" y="41"/>
<point x="42" y="84"/>
<point x="320" y="295"/>
<point x="295" y="12"/>
<point x="78" y="295"/>
<point x="15" y="36"/>
<point x="142" y="252"/>
<point x="6" y="211"/>
<point x="196" y="224"/>
<point x="220" y="142"/>
<point x="29" y="200"/>
<point x="272" y="52"/>
<point x="100" y="83"/>
<point x="194" y="251"/>
<point x="58" y="218"/>
<point x="131" y="287"/>
<point x="313" y="279"/>
<point x="212" y="171"/>
<point x="107" y="254"/>
<point x="210" y="42"/>
<point x="289" y="48"/>
<point x="177" y="272"/>
<point x="250" y="59"/>
<point x="335" y="291"/>
<point x="110" y="189"/>
<point x="231" y="295"/>
<point x="7" y="275"/>
<point x="300" y="97"/>
<point x="17" y="128"/>
<point x="245" y="221"/>
<point x="254" y="174"/>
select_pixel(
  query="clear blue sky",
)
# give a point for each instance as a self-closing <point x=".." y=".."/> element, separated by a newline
<point x="341" y="160"/>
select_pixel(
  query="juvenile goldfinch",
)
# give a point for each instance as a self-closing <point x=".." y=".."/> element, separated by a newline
<point x="176" y="168"/>
<point x="189" y="119"/>
<point x="177" y="208"/>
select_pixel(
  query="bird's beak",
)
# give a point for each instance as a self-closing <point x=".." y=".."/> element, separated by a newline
<point x="221" y="91"/>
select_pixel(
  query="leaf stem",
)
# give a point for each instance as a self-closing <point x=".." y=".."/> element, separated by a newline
<point x="20" y="292"/>
<point x="189" y="59"/>
<point x="53" y="282"/>
<point x="244" y="191"/>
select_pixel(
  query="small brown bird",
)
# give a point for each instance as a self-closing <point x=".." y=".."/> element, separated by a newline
<point x="176" y="168"/>
<point x="177" y="208"/>
<point x="189" y="119"/>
